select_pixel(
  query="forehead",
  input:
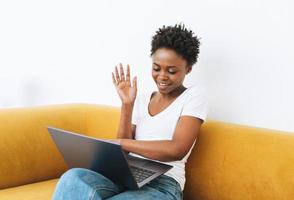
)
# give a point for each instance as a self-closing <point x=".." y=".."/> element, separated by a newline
<point x="168" y="57"/>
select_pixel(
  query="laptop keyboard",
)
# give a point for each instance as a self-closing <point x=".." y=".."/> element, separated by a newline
<point x="141" y="174"/>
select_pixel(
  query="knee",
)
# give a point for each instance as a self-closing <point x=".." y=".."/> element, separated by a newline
<point x="82" y="176"/>
<point x="72" y="173"/>
<point x="72" y="184"/>
<point x="77" y="183"/>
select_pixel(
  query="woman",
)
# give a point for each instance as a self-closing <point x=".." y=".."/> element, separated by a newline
<point x="161" y="125"/>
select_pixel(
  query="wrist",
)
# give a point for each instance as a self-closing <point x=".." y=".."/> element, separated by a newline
<point x="127" y="105"/>
<point x="122" y="143"/>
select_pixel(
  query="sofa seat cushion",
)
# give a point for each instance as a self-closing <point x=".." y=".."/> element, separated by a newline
<point x="35" y="191"/>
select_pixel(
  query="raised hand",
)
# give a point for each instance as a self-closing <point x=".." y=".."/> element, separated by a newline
<point x="122" y="83"/>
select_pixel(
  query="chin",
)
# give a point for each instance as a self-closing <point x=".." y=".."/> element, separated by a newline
<point x="164" y="91"/>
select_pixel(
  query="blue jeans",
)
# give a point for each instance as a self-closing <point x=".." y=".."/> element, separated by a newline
<point x="84" y="184"/>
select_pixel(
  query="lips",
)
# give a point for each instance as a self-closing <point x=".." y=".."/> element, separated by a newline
<point x="162" y="85"/>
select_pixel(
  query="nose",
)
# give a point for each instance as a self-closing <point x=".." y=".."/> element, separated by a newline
<point x="162" y="78"/>
<point x="162" y="75"/>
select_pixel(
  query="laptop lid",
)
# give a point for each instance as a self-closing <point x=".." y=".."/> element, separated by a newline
<point x="101" y="156"/>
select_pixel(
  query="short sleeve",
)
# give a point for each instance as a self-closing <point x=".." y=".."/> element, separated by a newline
<point x="196" y="104"/>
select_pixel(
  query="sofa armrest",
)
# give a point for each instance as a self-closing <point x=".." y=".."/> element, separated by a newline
<point x="27" y="152"/>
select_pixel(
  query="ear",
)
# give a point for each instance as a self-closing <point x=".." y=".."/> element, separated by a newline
<point x="188" y="69"/>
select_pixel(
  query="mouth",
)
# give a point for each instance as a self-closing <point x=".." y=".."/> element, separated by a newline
<point x="162" y="85"/>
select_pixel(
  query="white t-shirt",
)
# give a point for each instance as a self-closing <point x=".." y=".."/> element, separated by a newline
<point x="161" y="126"/>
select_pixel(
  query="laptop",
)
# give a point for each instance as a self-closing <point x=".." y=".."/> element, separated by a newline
<point x="107" y="158"/>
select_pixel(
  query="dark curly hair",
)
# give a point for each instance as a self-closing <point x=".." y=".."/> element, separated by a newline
<point x="179" y="39"/>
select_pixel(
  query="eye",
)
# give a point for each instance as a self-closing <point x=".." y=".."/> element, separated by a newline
<point x="156" y="69"/>
<point x="172" y="71"/>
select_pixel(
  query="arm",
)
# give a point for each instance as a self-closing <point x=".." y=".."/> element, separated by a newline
<point x="126" y="130"/>
<point x="167" y="150"/>
<point x="127" y="94"/>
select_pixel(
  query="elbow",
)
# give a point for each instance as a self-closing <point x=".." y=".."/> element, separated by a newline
<point x="177" y="154"/>
<point x="180" y="156"/>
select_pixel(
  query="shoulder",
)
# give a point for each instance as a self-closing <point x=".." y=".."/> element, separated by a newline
<point x="143" y="97"/>
<point x="196" y="102"/>
<point x="196" y="91"/>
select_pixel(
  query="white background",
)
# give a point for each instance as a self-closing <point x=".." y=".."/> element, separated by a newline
<point x="54" y="52"/>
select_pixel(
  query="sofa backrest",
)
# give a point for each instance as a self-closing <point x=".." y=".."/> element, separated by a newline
<point x="232" y="162"/>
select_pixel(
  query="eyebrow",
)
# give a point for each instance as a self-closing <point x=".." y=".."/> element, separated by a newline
<point x="171" y="66"/>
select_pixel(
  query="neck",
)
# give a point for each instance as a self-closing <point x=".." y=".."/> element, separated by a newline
<point x="173" y="94"/>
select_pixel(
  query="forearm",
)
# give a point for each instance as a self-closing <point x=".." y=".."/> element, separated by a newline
<point x="125" y="124"/>
<point x="162" y="150"/>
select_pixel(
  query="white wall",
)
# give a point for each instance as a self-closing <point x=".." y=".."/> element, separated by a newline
<point x="54" y="52"/>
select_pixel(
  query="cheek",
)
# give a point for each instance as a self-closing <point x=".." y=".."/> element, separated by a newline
<point x="178" y="78"/>
<point x="154" y="74"/>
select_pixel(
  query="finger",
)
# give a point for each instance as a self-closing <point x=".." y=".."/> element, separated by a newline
<point x="135" y="82"/>
<point x="128" y="74"/>
<point x="117" y="75"/>
<point x="122" y="74"/>
<point x="113" y="79"/>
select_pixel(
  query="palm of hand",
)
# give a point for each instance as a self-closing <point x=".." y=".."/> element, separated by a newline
<point x="125" y="90"/>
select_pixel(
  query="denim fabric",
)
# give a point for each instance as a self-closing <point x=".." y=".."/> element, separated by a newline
<point x="84" y="184"/>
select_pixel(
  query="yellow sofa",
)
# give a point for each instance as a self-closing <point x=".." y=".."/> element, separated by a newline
<point x="229" y="162"/>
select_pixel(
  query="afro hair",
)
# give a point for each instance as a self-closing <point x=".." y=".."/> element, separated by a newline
<point x="179" y="39"/>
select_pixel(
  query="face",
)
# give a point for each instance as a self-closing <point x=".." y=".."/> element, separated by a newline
<point x="169" y="70"/>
